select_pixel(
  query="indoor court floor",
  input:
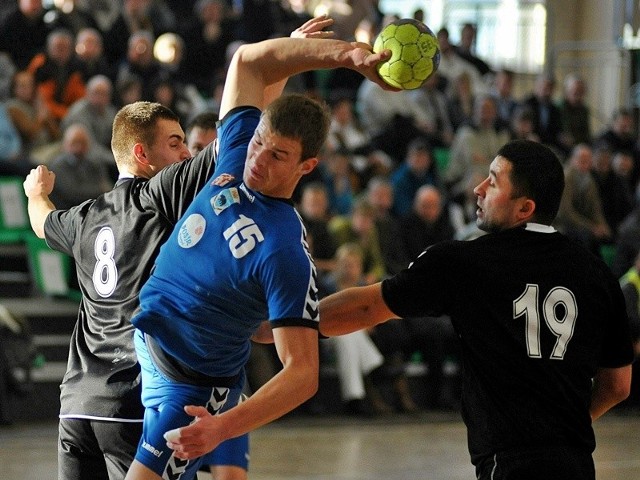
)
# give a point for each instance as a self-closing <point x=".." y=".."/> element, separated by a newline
<point x="428" y="446"/>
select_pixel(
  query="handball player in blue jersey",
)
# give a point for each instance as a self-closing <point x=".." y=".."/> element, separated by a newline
<point x="541" y="321"/>
<point x="238" y="256"/>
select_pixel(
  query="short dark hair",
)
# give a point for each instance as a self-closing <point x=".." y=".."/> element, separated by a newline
<point x="302" y="118"/>
<point x="204" y="120"/>
<point x="536" y="173"/>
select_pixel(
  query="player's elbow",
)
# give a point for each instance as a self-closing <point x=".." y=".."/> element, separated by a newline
<point x="621" y="392"/>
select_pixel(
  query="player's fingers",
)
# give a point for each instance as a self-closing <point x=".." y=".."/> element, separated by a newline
<point x="321" y="21"/>
<point x="196" y="411"/>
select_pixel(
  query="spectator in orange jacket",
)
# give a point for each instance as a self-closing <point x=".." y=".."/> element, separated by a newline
<point x="58" y="74"/>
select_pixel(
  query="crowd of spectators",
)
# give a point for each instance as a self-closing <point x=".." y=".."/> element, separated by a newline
<point x="398" y="170"/>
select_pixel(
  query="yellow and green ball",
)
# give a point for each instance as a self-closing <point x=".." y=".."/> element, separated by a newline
<point x="415" y="53"/>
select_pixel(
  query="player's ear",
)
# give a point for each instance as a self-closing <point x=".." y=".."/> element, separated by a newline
<point x="308" y="165"/>
<point x="527" y="208"/>
<point x="140" y="154"/>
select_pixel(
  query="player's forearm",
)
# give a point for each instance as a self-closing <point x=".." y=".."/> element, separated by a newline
<point x="352" y="309"/>
<point x="278" y="59"/>
<point x="39" y="207"/>
<point x="288" y="389"/>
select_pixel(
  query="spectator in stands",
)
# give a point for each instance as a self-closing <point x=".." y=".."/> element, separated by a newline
<point x="201" y="131"/>
<point x="427" y="223"/>
<point x="453" y="65"/>
<point x="614" y="195"/>
<point x="547" y="118"/>
<point x="461" y="97"/>
<point x="58" y="74"/>
<point x="521" y="125"/>
<point x="7" y="71"/>
<point x="379" y="193"/>
<point x="314" y="210"/>
<point x="347" y="134"/>
<point x="356" y="356"/>
<point x="140" y="62"/>
<point x="575" y="113"/>
<point x="207" y="33"/>
<point x="580" y="215"/>
<point x="360" y="227"/>
<point x="78" y="177"/>
<point x="95" y="111"/>
<point x="433" y="112"/>
<point x="466" y="50"/>
<point x="620" y="135"/>
<point x="89" y="49"/>
<point x="31" y="117"/>
<point x="128" y="90"/>
<point x="474" y="146"/>
<point x="11" y="160"/>
<point x="502" y="91"/>
<point x="341" y="181"/>
<point x="23" y="32"/>
<point x="418" y="169"/>
<point x="623" y="165"/>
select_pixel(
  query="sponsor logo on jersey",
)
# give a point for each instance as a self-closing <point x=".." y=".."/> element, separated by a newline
<point x="245" y="190"/>
<point x="222" y="180"/>
<point x="191" y="230"/>
<point x="150" y="448"/>
<point x="224" y="199"/>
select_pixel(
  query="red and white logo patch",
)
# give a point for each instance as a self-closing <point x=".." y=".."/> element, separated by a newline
<point x="222" y="180"/>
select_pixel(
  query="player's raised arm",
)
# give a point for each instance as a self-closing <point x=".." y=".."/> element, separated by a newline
<point x="258" y="71"/>
<point x="37" y="187"/>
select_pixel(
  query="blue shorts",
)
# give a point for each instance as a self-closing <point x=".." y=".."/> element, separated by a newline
<point x="164" y="402"/>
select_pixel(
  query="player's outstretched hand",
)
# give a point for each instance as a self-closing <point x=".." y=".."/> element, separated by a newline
<point x="314" y="28"/>
<point x="196" y="439"/>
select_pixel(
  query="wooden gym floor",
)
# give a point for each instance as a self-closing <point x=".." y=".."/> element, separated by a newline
<point x="427" y="446"/>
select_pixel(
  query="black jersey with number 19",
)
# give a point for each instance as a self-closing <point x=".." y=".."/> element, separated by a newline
<point x="114" y="240"/>
<point x="532" y="340"/>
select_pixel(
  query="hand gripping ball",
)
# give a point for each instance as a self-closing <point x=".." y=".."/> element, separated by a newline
<point x="415" y="53"/>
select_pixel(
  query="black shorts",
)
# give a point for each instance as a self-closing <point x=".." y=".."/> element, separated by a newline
<point x="96" y="449"/>
<point x="553" y="463"/>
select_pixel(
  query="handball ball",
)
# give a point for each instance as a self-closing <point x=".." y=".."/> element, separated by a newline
<point x="415" y="53"/>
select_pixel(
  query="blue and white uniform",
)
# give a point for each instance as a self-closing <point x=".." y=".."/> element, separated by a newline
<point x="235" y="258"/>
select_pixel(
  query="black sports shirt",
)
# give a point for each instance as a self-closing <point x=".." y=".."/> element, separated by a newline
<point x="537" y="315"/>
<point x="114" y="240"/>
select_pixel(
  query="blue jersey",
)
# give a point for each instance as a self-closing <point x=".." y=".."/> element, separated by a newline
<point x="235" y="258"/>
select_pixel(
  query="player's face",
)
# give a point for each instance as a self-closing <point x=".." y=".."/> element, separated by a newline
<point x="273" y="165"/>
<point x="497" y="209"/>
<point x="199" y="138"/>
<point x="169" y="145"/>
